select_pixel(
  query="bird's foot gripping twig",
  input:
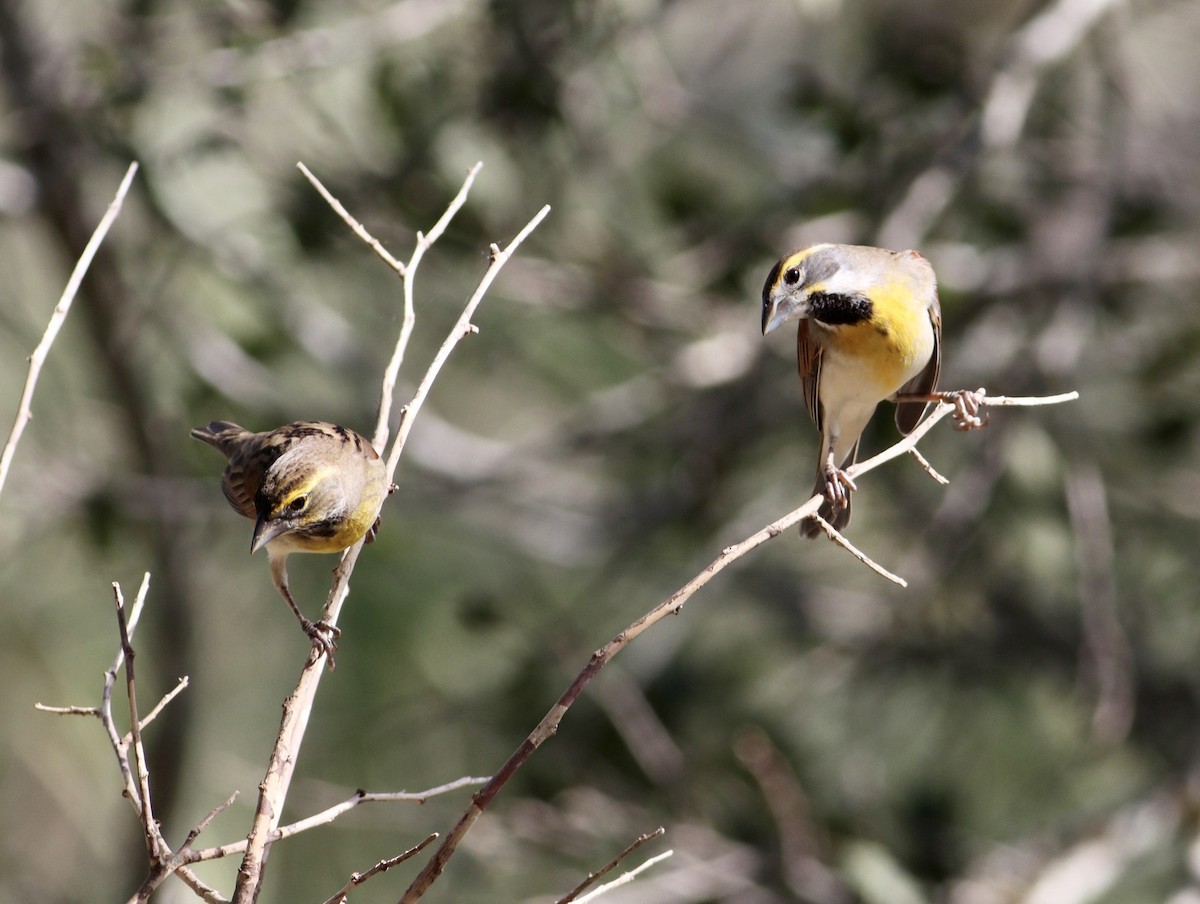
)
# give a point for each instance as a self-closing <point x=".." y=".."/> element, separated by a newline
<point x="324" y="639"/>
<point x="322" y="634"/>
<point x="838" y="487"/>
<point x="967" y="403"/>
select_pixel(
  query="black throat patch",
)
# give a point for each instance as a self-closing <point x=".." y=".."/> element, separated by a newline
<point x="839" y="310"/>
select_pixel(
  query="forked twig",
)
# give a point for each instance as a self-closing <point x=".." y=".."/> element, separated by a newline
<point x="274" y="786"/>
<point x="593" y="878"/>
<point x="625" y="878"/>
<point x="135" y="779"/>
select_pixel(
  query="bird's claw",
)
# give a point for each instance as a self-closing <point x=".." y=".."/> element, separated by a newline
<point x="966" y="404"/>
<point x="324" y="639"/>
<point x="838" y="487"/>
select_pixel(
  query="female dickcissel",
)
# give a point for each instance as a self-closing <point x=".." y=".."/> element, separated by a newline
<point x="308" y="487"/>
<point x="870" y="330"/>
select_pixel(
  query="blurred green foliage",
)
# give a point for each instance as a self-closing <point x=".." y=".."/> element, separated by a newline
<point x="1020" y="724"/>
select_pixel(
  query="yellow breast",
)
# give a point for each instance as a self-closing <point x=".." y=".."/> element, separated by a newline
<point x="888" y="349"/>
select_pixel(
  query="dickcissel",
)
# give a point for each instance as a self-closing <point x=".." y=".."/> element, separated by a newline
<point x="308" y="486"/>
<point x="870" y="329"/>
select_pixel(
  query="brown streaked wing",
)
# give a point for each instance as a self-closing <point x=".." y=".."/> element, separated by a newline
<point x="808" y="358"/>
<point x="249" y="462"/>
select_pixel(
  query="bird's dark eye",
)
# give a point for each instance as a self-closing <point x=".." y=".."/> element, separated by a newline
<point x="791" y="276"/>
<point x="298" y="504"/>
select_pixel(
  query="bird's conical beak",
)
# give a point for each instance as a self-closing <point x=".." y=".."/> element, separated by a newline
<point x="264" y="532"/>
<point x="773" y="314"/>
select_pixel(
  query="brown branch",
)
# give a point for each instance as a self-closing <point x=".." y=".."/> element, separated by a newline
<point x="355" y="225"/>
<point x="929" y="469"/>
<point x="329" y="814"/>
<point x="462" y="328"/>
<point x="392" y="372"/>
<point x="273" y="789"/>
<point x="134" y="777"/>
<point x="837" y="537"/>
<point x="357" y="879"/>
<point x="592" y="878"/>
<point x="57" y="318"/>
<point x="141" y="771"/>
<point x="625" y="878"/>
<point x="672" y="605"/>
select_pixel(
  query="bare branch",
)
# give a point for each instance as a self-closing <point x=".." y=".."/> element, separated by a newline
<point x="929" y="469"/>
<point x="166" y="698"/>
<point x="206" y="892"/>
<point x="140" y="769"/>
<point x="134" y="777"/>
<point x="274" y="787"/>
<point x="461" y="328"/>
<point x="837" y="537"/>
<point x="328" y="815"/>
<point x="626" y="878"/>
<point x="672" y="605"/>
<point x="69" y="710"/>
<point x="207" y="820"/>
<point x="357" y="879"/>
<point x="38" y="358"/>
<point x="392" y="371"/>
<point x="359" y="229"/>
<point x="592" y="878"/>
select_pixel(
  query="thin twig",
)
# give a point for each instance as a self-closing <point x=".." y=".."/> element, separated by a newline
<point x="135" y="779"/>
<point x="461" y="328"/>
<point x="38" y="358"/>
<point x="592" y="878"/>
<point x="166" y="698"/>
<point x="69" y="710"/>
<point x="206" y="892"/>
<point x="207" y="820"/>
<point x="672" y="605"/>
<point x="329" y="814"/>
<point x="274" y="787"/>
<point x="626" y="878"/>
<point x="140" y="769"/>
<point x="837" y="537"/>
<point x="359" y="229"/>
<point x="392" y="371"/>
<point x="929" y="469"/>
<point x="357" y="879"/>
